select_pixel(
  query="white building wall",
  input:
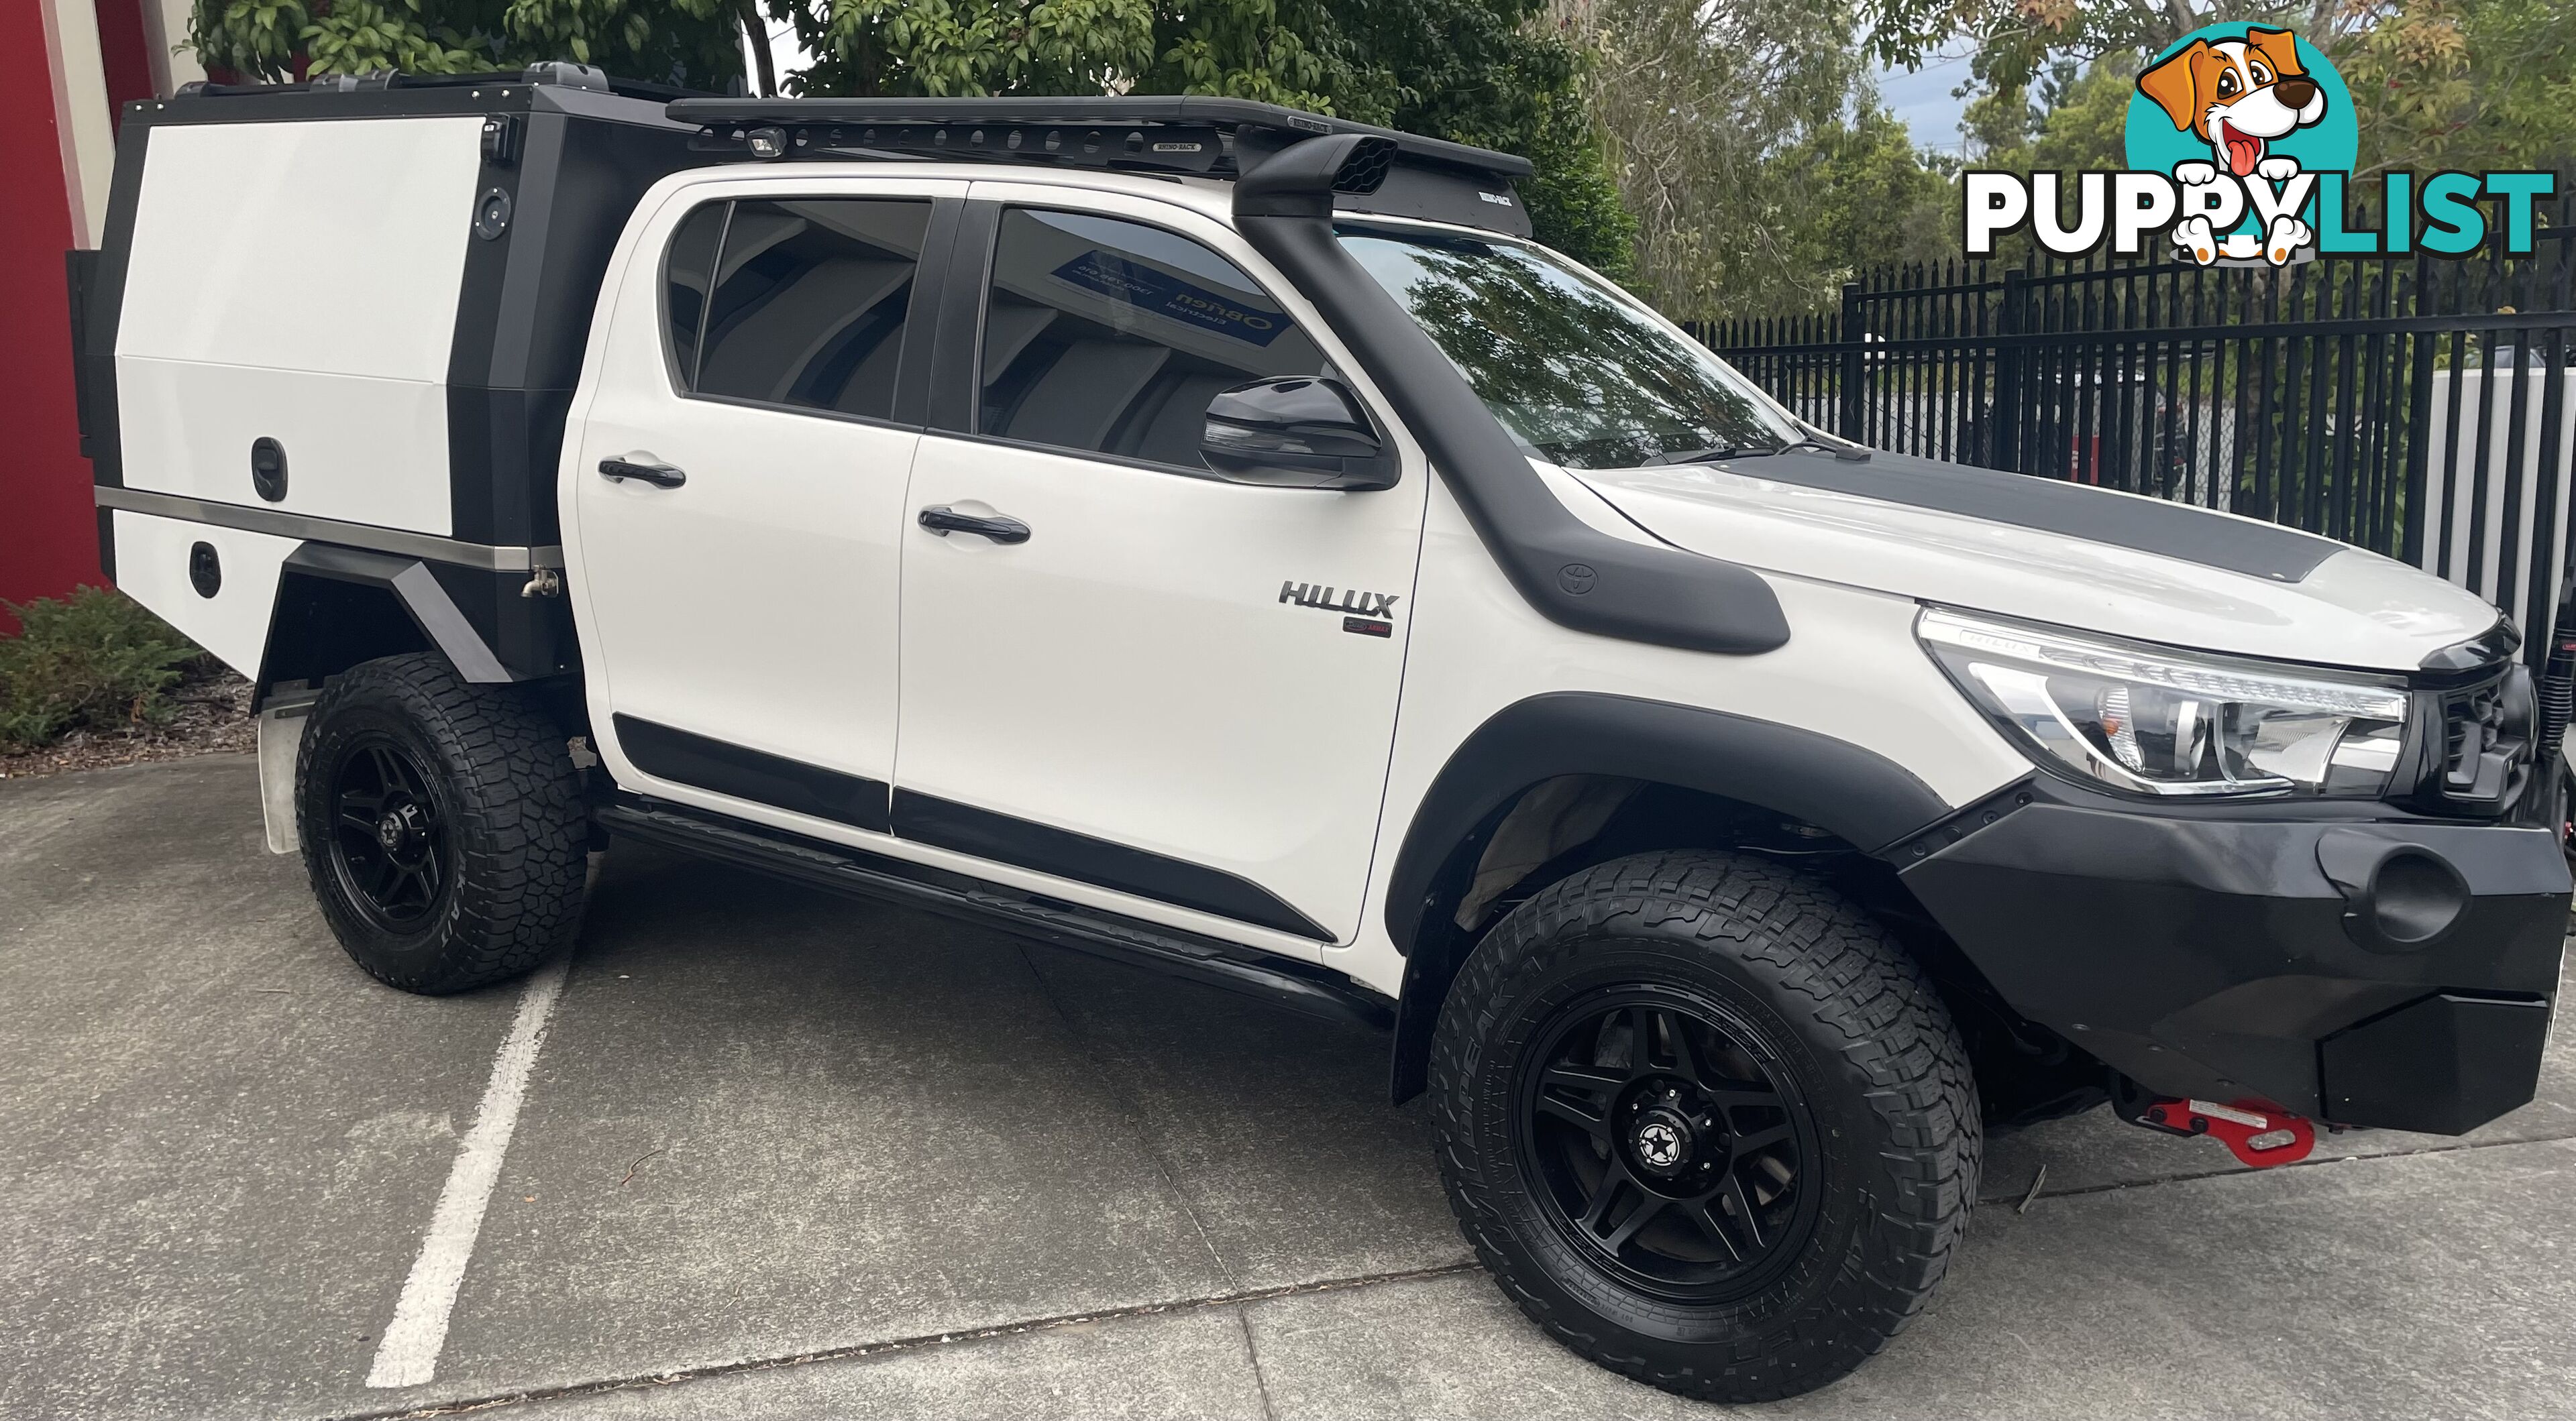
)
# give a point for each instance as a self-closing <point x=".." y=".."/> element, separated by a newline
<point x="81" y="125"/>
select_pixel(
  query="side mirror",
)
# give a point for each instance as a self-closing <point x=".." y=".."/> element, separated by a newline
<point x="1297" y="431"/>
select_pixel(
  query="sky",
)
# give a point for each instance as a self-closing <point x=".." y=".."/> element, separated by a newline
<point x="1921" y="100"/>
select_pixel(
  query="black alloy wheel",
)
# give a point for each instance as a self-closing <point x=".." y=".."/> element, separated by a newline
<point x="389" y="840"/>
<point x="1706" y="1121"/>
<point x="442" y="825"/>
<point x="1665" y="1147"/>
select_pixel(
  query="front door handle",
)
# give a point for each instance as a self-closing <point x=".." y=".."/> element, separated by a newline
<point x="658" y="475"/>
<point x="944" y="520"/>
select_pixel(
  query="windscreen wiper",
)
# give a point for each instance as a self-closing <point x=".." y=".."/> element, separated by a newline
<point x="1848" y="453"/>
<point x="1704" y="456"/>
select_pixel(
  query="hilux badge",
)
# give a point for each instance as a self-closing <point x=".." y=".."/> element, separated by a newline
<point x="1369" y="613"/>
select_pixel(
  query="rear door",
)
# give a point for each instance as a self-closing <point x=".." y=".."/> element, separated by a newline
<point x="1167" y="689"/>
<point x="739" y="490"/>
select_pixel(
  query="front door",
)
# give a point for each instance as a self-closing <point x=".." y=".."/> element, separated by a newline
<point x="1173" y="688"/>
<point x="740" y="499"/>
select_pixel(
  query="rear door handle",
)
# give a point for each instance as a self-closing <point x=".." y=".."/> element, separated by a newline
<point x="658" y="475"/>
<point x="944" y="520"/>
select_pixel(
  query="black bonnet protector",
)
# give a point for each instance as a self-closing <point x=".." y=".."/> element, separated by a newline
<point x="1573" y="574"/>
<point x="2149" y="525"/>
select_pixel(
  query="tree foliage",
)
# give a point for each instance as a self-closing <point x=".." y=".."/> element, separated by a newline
<point x="1487" y="72"/>
<point x="2464" y="84"/>
<point x="691" y="42"/>
<point x="1751" y="146"/>
<point x="2469" y="85"/>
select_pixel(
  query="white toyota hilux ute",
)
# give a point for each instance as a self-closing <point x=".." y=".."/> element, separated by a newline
<point x="1216" y="537"/>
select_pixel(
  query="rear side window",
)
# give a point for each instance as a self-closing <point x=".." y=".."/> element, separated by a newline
<point x="806" y="302"/>
<point x="1110" y="337"/>
<point x="687" y="273"/>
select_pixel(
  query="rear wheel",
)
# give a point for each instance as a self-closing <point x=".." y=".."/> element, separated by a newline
<point x="442" y="826"/>
<point x="1706" y="1123"/>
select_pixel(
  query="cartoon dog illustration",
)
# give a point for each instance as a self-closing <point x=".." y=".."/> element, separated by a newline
<point x="2238" y="96"/>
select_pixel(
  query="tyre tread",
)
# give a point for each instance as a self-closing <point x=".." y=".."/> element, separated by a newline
<point x="1819" y="953"/>
<point x="520" y="825"/>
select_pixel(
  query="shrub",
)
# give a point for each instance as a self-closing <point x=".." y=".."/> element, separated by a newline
<point x="95" y="660"/>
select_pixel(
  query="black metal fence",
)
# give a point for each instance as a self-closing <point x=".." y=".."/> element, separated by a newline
<point x="2418" y="406"/>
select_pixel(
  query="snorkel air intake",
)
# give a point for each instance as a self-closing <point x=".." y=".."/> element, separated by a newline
<point x="1572" y="574"/>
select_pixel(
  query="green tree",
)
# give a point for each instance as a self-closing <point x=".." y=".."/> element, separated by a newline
<point x="1749" y="142"/>
<point x="692" y="42"/>
<point x="1478" y="71"/>
<point x="2470" y="85"/>
<point x="1499" y="74"/>
<point x="2465" y="84"/>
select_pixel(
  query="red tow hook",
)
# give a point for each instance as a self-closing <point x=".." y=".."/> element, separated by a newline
<point x="2260" y="1138"/>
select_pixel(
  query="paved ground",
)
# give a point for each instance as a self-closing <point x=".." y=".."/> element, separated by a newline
<point x="784" y="1155"/>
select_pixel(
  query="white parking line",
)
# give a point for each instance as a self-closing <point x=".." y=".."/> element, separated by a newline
<point x="408" y="1354"/>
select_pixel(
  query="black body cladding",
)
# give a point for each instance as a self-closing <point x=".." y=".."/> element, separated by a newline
<point x="685" y="757"/>
<point x="1575" y="575"/>
<point x="690" y="759"/>
<point x="926" y="819"/>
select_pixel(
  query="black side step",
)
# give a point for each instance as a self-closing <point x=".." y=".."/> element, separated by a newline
<point x="1302" y="987"/>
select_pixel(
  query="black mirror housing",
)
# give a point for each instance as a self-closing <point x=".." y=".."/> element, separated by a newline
<point x="1296" y="431"/>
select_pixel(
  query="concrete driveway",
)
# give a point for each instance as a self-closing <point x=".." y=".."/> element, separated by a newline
<point x="780" y="1154"/>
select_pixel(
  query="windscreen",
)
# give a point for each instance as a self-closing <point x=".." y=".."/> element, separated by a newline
<point x="1572" y="369"/>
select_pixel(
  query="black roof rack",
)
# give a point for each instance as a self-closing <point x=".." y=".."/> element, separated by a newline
<point x="558" y="73"/>
<point x="1190" y="134"/>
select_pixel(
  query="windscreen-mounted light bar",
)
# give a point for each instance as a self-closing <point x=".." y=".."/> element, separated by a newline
<point x="1399" y="174"/>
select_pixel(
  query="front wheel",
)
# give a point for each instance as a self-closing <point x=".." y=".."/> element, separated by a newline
<point x="1706" y="1123"/>
<point x="442" y="824"/>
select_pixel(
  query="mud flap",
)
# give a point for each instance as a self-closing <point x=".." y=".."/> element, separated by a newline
<point x="281" y="731"/>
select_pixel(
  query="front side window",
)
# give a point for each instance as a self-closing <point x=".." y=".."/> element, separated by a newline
<point x="1110" y="337"/>
<point x="805" y="301"/>
<point x="1572" y="370"/>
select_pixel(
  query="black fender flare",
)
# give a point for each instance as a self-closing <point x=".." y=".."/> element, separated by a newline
<point x="411" y="582"/>
<point x="1852" y="792"/>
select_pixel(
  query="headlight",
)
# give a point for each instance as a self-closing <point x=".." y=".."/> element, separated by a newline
<point x="2154" y="721"/>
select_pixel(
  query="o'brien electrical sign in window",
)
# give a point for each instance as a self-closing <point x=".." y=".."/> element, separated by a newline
<point x="2241" y="143"/>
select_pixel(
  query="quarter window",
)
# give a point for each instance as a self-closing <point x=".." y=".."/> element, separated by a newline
<point x="1110" y="337"/>
<point x="806" y="304"/>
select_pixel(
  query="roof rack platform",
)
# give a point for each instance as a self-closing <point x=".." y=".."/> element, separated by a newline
<point x="1187" y="135"/>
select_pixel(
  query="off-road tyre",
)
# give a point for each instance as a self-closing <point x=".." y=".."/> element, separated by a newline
<point x="1828" y="1003"/>
<point x="492" y="886"/>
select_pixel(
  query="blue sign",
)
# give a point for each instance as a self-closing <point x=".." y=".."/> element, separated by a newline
<point x="1148" y="289"/>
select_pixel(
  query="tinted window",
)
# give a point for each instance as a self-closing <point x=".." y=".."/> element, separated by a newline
<point x="686" y="277"/>
<point x="1571" y="368"/>
<point x="809" y="305"/>
<point x="1111" y="337"/>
